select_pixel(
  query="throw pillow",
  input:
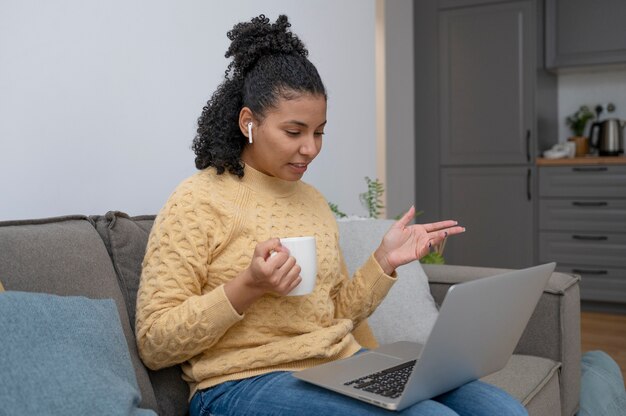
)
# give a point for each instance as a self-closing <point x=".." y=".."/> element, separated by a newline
<point x="64" y="356"/>
<point x="408" y="313"/>
<point x="126" y="238"/>
<point x="1" y="288"/>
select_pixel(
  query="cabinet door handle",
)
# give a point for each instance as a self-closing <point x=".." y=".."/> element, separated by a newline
<point x="590" y="204"/>
<point x="590" y="237"/>
<point x="591" y="169"/>
<point x="528" y="145"/>
<point x="585" y="271"/>
<point x="528" y="184"/>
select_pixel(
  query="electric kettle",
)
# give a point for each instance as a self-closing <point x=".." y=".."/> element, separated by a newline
<point x="609" y="139"/>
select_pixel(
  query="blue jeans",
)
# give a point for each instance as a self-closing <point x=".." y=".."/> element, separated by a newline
<point x="602" y="386"/>
<point x="280" y="393"/>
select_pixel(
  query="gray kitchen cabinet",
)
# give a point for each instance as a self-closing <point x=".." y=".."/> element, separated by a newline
<point x="583" y="33"/>
<point x="451" y="4"/>
<point x="582" y="226"/>
<point x="485" y="106"/>
<point x="599" y="249"/>
<point x="584" y="181"/>
<point x="595" y="214"/>
<point x="495" y="204"/>
<point x="492" y="107"/>
<point x="486" y="84"/>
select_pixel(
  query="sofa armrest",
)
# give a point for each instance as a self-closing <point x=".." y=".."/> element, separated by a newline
<point x="553" y="330"/>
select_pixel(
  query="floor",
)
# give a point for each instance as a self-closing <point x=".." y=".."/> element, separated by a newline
<point x="606" y="332"/>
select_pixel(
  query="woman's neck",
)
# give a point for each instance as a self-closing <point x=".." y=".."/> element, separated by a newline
<point x="260" y="182"/>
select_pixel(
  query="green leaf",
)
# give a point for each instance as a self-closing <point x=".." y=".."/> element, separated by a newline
<point x="433" y="258"/>
<point x="577" y="122"/>
<point x="335" y="209"/>
<point x="372" y="198"/>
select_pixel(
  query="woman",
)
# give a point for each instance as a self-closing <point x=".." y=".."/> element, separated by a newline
<point x="212" y="293"/>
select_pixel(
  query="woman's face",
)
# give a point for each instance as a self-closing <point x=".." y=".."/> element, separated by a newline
<point x="288" y="138"/>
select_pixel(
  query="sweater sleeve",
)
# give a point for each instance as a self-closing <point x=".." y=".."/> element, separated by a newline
<point x="358" y="297"/>
<point x="175" y="320"/>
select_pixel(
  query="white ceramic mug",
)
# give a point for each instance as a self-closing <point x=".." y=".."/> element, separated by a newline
<point x="304" y="251"/>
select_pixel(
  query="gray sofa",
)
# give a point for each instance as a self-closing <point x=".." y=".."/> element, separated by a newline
<point x="100" y="257"/>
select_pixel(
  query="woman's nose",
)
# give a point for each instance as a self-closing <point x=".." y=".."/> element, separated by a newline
<point x="309" y="146"/>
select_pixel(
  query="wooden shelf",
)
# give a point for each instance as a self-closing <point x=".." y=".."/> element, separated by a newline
<point x="588" y="160"/>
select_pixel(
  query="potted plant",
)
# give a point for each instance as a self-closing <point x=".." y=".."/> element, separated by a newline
<point x="577" y="123"/>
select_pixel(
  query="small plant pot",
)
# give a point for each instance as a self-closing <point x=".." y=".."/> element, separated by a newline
<point x="582" y="145"/>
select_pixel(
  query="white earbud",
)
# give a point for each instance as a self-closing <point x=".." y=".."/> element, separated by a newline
<point x="250" y="132"/>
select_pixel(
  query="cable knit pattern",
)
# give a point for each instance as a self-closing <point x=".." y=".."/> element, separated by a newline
<point x="205" y="236"/>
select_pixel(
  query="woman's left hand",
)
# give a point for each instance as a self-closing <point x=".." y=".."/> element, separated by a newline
<point x="404" y="243"/>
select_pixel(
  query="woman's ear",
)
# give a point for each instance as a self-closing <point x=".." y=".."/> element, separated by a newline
<point x="246" y="123"/>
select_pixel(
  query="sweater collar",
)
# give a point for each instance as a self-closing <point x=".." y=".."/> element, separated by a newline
<point x="260" y="182"/>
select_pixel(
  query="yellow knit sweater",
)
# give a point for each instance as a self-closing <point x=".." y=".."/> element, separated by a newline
<point x="205" y="236"/>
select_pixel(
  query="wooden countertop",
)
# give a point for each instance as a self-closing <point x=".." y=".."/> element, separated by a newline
<point x="587" y="160"/>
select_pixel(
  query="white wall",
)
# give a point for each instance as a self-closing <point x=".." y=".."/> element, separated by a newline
<point x="99" y="100"/>
<point x="590" y="88"/>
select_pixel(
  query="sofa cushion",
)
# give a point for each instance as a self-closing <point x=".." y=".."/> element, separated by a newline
<point x="547" y="401"/>
<point x="64" y="356"/>
<point x="65" y="256"/>
<point x="409" y="311"/>
<point x="126" y="238"/>
<point x="524" y="376"/>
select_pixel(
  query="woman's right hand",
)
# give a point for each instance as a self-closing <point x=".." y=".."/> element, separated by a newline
<point x="271" y="270"/>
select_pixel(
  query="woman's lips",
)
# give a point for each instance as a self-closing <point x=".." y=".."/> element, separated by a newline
<point x="298" y="167"/>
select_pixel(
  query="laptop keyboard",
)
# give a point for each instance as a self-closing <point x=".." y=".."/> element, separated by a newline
<point x="388" y="383"/>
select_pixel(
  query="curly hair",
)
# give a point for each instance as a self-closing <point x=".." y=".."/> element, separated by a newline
<point x="269" y="62"/>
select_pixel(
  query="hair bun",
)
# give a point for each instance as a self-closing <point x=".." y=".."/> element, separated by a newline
<point x="257" y="38"/>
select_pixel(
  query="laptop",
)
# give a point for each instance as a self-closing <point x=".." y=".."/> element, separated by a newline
<point x="479" y="324"/>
